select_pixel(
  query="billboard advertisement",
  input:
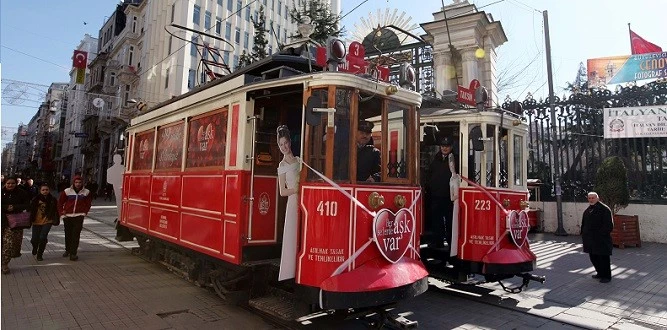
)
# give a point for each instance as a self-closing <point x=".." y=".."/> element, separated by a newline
<point x="143" y="151"/>
<point x="206" y="140"/>
<point x="169" y="147"/>
<point x="635" y="122"/>
<point x="626" y="68"/>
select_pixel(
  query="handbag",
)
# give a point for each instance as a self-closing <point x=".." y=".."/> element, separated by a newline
<point x="19" y="220"/>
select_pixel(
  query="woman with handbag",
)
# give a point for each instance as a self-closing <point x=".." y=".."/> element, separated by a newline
<point x="14" y="202"/>
<point x="43" y="215"/>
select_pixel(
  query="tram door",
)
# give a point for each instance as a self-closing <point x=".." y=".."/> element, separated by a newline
<point x="267" y="214"/>
<point x="434" y="225"/>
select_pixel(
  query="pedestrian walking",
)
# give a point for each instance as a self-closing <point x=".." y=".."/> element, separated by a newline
<point x="14" y="200"/>
<point x="73" y="205"/>
<point x="43" y="215"/>
<point x="31" y="188"/>
<point x="596" y="227"/>
<point x="92" y="187"/>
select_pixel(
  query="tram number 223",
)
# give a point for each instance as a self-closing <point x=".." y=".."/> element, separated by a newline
<point x="482" y="205"/>
<point x="328" y="208"/>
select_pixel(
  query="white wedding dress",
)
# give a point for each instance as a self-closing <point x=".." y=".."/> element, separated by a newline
<point x="288" y="255"/>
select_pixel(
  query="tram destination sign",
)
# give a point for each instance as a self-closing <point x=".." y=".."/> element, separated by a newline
<point x="635" y="122"/>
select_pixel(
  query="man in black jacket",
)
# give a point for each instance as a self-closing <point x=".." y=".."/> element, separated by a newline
<point x="368" y="156"/>
<point x="441" y="207"/>
<point x="596" y="227"/>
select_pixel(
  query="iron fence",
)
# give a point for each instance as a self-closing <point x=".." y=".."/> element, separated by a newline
<point x="582" y="147"/>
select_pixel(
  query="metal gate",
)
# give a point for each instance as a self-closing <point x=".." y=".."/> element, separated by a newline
<point x="582" y="147"/>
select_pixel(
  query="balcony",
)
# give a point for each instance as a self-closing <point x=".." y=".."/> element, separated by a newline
<point x="127" y="74"/>
<point x="113" y="65"/>
<point x="92" y="85"/>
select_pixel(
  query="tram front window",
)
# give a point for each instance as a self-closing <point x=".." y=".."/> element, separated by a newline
<point x="342" y="134"/>
<point x="518" y="160"/>
<point x="490" y="157"/>
<point x="368" y="138"/>
<point x="397" y="139"/>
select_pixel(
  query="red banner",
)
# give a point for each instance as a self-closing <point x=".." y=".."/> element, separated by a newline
<point x="206" y="140"/>
<point x="169" y="147"/>
<point x="143" y="151"/>
<point x="80" y="59"/>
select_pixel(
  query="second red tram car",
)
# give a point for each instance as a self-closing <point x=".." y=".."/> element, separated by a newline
<point x="490" y="220"/>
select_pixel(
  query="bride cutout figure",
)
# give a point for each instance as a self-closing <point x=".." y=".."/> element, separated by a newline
<point x="288" y="181"/>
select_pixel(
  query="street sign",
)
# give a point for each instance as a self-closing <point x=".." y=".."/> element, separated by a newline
<point x="81" y="135"/>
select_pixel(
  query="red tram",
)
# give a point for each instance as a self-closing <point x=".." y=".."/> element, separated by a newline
<point x="490" y="220"/>
<point x="201" y="189"/>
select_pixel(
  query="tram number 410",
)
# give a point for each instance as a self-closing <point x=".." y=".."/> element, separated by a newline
<point x="482" y="204"/>
<point x="328" y="208"/>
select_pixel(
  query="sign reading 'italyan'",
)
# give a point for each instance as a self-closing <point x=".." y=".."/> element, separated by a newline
<point x="635" y="122"/>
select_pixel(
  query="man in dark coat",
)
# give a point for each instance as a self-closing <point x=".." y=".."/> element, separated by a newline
<point x="596" y="227"/>
<point x="368" y="156"/>
<point x="440" y="207"/>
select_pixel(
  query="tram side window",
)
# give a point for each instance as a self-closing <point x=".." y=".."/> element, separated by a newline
<point x="518" y="160"/>
<point x="207" y="136"/>
<point x="398" y="117"/>
<point x="169" y="153"/>
<point x="342" y="134"/>
<point x="143" y="151"/>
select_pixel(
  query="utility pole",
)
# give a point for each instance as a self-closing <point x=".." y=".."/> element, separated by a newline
<point x="560" y="231"/>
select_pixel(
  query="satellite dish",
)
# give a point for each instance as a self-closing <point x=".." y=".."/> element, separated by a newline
<point x="98" y="102"/>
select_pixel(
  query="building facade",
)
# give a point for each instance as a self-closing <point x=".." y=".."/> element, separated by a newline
<point x="8" y="157"/>
<point x="73" y="136"/>
<point x="171" y="60"/>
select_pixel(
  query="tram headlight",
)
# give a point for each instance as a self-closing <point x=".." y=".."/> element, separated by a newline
<point x="407" y="76"/>
<point x="335" y="53"/>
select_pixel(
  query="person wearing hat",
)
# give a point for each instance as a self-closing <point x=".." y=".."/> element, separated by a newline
<point x="368" y="156"/>
<point x="440" y="207"/>
<point x="73" y="205"/>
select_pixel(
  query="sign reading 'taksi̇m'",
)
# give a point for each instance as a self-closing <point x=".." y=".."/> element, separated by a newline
<point x="635" y="122"/>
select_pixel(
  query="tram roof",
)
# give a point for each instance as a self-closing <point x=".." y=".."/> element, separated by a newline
<point x="255" y="71"/>
<point x="437" y="114"/>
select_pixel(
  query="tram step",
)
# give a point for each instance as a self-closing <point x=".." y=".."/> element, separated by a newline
<point x="279" y="307"/>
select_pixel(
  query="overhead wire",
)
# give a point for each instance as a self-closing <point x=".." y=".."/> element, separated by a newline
<point x="35" y="57"/>
<point x="185" y="44"/>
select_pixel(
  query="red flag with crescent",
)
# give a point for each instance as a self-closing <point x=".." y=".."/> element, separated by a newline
<point x="80" y="59"/>
<point x="641" y="46"/>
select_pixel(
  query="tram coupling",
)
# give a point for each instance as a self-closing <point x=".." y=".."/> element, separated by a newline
<point x="530" y="277"/>
<point x="527" y="277"/>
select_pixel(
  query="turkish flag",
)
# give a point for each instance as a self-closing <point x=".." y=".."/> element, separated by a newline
<point x="80" y="59"/>
<point x="639" y="45"/>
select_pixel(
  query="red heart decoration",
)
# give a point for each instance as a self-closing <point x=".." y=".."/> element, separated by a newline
<point x="518" y="223"/>
<point x="393" y="233"/>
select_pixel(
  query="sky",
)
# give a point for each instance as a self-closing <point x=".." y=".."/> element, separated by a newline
<point x="37" y="38"/>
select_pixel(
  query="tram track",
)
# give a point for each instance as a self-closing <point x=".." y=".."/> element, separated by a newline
<point x="328" y="321"/>
<point x="463" y="291"/>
